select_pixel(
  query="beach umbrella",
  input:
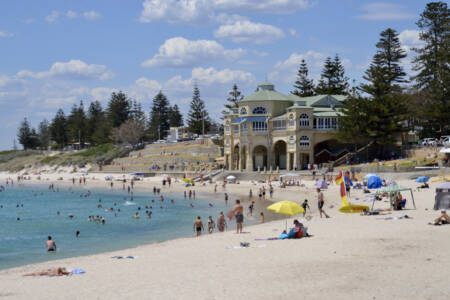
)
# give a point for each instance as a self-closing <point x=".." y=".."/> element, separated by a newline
<point x="287" y="208"/>
<point x="370" y="175"/>
<point x="231" y="177"/>
<point x="422" y="179"/>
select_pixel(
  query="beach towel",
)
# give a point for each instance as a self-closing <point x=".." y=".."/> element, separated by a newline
<point x="121" y="257"/>
<point x="78" y="271"/>
<point x="395" y="218"/>
<point x="240" y="247"/>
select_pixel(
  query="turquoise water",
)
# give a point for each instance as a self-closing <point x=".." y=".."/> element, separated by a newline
<point x="23" y="242"/>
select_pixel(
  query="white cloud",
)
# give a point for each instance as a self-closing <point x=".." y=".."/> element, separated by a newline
<point x="180" y="52"/>
<point x="285" y="71"/>
<point x="174" y="11"/>
<point x="5" y="34"/>
<point x="53" y="16"/>
<point x="292" y="32"/>
<point x="145" y="89"/>
<point x="249" y="32"/>
<point x="195" y="11"/>
<point x="71" y="15"/>
<point x="73" y="69"/>
<point x="383" y="11"/>
<point x="211" y="76"/>
<point x="102" y="94"/>
<point x="410" y="39"/>
<point x="91" y="15"/>
<point x="263" y="6"/>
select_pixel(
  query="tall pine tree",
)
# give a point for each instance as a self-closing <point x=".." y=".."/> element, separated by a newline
<point x="175" y="117"/>
<point x="76" y="125"/>
<point x="304" y="87"/>
<point x="118" y="110"/>
<point x="332" y="79"/>
<point x="234" y="99"/>
<point x="58" y="129"/>
<point x="44" y="134"/>
<point x="24" y="134"/>
<point x="198" y="118"/>
<point x="433" y="66"/>
<point x="159" y="121"/>
<point x="385" y="73"/>
<point x="97" y="127"/>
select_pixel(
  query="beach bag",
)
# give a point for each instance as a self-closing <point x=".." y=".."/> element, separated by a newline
<point x="299" y="234"/>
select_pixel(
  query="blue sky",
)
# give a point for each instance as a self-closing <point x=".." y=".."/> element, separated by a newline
<point x="55" y="53"/>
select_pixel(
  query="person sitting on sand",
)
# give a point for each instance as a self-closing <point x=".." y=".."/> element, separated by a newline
<point x="51" y="245"/>
<point x="442" y="219"/>
<point x="50" y="272"/>
<point x="424" y="186"/>
<point x="221" y="222"/>
<point x="198" y="226"/>
<point x="398" y="201"/>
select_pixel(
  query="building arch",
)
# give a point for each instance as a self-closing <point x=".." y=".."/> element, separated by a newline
<point x="259" y="157"/>
<point x="304" y="120"/>
<point x="279" y="154"/>
<point x="236" y="156"/>
<point x="259" y="110"/>
<point x="243" y="111"/>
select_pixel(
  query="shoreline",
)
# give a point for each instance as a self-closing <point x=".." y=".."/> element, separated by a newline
<point x="140" y="189"/>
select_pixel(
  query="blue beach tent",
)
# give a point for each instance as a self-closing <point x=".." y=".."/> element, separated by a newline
<point x="374" y="182"/>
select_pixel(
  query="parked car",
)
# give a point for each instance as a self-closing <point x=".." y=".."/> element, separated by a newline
<point x="446" y="142"/>
<point x="430" y="142"/>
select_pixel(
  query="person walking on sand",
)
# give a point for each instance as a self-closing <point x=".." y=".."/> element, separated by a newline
<point x="226" y="199"/>
<point x="320" y="203"/>
<point x="262" y="217"/>
<point x="239" y="214"/>
<point x="198" y="226"/>
<point x="221" y="222"/>
<point x="305" y="205"/>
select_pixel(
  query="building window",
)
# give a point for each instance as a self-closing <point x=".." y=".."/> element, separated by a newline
<point x="259" y="126"/>
<point x="304" y="120"/>
<point x="227" y="142"/>
<point x="291" y="120"/>
<point x="259" y="110"/>
<point x="243" y="111"/>
<point x="279" y="125"/>
<point x="291" y="140"/>
<point x="304" y="141"/>
<point x="235" y="128"/>
<point x="227" y="126"/>
<point x="326" y="123"/>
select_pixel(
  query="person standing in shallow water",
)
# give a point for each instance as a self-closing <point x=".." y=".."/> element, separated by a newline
<point x="198" y="226"/>
<point x="51" y="245"/>
<point x="221" y="222"/>
<point x="239" y="214"/>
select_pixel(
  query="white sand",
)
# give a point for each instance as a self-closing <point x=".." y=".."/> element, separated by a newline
<point x="348" y="257"/>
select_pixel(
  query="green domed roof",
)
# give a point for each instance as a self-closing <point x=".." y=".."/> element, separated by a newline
<point x="266" y="92"/>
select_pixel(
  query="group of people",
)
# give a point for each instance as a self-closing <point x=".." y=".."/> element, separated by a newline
<point x="237" y="213"/>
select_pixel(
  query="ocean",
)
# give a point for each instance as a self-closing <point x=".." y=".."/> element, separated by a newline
<point x="23" y="241"/>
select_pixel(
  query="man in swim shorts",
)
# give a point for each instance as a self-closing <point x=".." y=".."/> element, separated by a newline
<point x="320" y="203"/>
<point x="239" y="214"/>
<point x="51" y="246"/>
<point x="198" y="226"/>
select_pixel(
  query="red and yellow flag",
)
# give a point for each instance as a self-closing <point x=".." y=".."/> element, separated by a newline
<point x="340" y="181"/>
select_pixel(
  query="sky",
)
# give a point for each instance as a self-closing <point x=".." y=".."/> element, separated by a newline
<point x="53" y="53"/>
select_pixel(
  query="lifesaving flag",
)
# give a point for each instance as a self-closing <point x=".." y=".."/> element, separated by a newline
<point x="340" y="181"/>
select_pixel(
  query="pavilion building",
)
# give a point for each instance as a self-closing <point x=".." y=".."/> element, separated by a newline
<point x="271" y="130"/>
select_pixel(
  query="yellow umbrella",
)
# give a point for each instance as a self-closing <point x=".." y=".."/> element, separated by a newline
<point x="287" y="208"/>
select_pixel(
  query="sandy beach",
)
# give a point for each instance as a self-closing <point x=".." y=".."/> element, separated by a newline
<point x="348" y="256"/>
